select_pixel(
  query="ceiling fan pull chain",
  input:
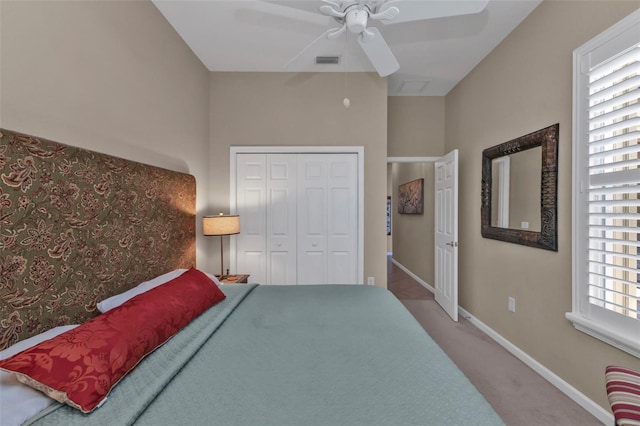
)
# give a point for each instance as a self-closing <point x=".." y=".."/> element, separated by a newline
<point x="346" y="101"/>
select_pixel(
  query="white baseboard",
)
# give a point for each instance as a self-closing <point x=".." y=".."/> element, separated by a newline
<point x="412" y="275"/>
<point x="581" y="399"/>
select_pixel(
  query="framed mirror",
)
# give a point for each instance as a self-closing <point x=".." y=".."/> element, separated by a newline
<point x="519" y="190"/>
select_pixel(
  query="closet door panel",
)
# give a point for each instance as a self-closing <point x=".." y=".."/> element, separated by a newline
<point x="312" y="219"/>
<point x="342" y="214"/>
<point x="279" y="266"/>
<point x="251" y="206"/>
<point x="312" y="269"/>
<point x="281" y="214"/>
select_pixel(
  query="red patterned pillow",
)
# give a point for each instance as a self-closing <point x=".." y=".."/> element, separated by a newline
<point x="81" y="366"/>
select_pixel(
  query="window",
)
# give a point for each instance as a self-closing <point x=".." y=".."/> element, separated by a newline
<point x="606" y="186"/>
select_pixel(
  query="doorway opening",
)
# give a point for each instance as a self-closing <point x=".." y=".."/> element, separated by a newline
<point x="425" y="245"/>
<point x="412" y="230"/>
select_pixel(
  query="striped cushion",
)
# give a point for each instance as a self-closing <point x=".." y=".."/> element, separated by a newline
<point x="623" y="391"/>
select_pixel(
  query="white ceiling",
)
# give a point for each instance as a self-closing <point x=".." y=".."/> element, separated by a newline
<point x="259" y="36"/>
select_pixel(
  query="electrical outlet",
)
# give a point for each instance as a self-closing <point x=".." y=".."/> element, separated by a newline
<point x="512" y="304"/>
<point x="371" y="281"/>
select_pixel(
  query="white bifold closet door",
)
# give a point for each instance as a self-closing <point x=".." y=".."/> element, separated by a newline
<point x="298" y="215"/>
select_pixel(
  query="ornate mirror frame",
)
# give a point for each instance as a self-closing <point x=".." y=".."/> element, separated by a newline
<point x="547" y="238"/>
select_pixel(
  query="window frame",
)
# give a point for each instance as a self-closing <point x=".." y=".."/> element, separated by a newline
<point x="614" y="329"/>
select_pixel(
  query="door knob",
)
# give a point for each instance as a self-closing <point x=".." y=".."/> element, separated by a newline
<point x="452" y="244"/>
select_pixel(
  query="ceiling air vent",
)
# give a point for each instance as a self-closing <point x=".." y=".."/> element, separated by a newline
<point x="327" y="59"/>
<point x="413" y="86"/>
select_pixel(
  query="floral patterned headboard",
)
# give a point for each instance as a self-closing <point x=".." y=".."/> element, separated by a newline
<point x="78" y="226"/>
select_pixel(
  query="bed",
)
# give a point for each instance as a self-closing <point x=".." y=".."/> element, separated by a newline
<point x="259" y="355"/>
<point x="289" y="355"/>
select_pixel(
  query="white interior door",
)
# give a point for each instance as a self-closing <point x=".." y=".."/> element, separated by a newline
<point x="446" y="233"/>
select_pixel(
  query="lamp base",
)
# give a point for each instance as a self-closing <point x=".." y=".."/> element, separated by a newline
<point x="221" y="257"/>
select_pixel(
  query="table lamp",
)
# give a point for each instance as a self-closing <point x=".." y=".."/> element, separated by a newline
<point x="221" y="225"/>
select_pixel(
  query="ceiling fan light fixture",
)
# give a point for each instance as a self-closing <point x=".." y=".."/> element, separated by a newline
<point x="357" y="20"/>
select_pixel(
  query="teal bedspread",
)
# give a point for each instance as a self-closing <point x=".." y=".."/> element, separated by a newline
<point x="294" y="355"/>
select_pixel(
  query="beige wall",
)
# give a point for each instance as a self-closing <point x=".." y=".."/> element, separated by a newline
<point x="284" y="109"/>
<point x="416" y="129"/>
<point x="525" y="84"/>
<point x="108" y="76"/>
<point x="416" y="126"/>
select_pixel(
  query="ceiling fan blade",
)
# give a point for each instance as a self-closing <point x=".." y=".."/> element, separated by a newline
<point x="306" y="57"/>
<point x="333" y="4"/>
<point x="417" y="10"/>
<point x="306" y="5"/>
<point x="388" y="14"/>
<point x="331" y="11"/>
<point x="378" y="52"/>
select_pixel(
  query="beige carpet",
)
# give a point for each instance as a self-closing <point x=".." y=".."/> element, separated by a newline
<point x="518" y="394"/>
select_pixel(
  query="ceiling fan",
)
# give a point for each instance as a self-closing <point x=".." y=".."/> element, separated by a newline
<point x="355" y="15"/>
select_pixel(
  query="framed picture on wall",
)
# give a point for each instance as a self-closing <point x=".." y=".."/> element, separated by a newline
<point x="411" y="197"/>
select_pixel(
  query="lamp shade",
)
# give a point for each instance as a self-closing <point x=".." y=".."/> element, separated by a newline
<point x="221" y="225"/>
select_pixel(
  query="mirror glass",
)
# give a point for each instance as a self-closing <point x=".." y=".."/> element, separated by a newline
<point x="519" y="201"/>
<point x="515" y="190"/>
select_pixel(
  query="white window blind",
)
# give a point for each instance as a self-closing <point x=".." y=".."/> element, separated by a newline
<point x="614" y="183"/>
<point x="606" y="205"/>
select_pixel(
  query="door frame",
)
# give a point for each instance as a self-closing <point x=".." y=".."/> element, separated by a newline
<point x="391" y="160"/>
<point x="233" y="202"/>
